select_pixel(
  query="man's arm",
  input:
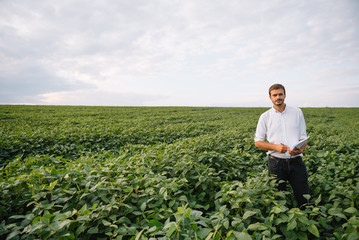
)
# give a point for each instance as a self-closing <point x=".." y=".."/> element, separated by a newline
<point x="270" y="146"/>
<point x="279" y="147"/>
<point x="261" y="135"/>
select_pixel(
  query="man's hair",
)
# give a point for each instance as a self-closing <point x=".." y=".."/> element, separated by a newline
<point x="275" y="87"/>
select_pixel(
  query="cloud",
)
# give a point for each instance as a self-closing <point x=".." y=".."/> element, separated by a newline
<point x="23" y="81"/>
<point x="97" y="98"/>
<point x="178" y="52"/>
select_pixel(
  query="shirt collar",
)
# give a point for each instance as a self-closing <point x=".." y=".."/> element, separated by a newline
<point x="276" y="111"/>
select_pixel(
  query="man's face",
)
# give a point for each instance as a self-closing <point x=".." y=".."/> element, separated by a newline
<point x="277" y="97"/>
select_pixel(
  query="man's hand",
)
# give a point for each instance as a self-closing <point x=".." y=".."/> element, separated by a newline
<point x="282" y="148"/>
<point x="279" y="147"/>
<point x="296" y="151"/>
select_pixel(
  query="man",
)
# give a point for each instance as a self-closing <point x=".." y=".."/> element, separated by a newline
<point x="278" y="128"/>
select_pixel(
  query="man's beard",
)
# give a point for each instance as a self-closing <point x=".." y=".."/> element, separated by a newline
<point x="279" y="103"/>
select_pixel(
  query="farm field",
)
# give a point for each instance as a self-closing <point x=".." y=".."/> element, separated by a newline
<point x="76" y="172"/>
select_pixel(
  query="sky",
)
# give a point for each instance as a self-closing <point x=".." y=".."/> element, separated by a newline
<point x="179" y="53"/>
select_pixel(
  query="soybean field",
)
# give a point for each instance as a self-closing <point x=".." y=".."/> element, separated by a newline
<point x="80" y="172"/>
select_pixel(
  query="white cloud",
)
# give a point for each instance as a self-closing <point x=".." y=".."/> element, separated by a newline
<point x="186" y="52"/>
<point x="97" y="98"/>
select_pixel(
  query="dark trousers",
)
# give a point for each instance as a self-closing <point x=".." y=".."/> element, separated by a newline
<point x="293" y="171"/>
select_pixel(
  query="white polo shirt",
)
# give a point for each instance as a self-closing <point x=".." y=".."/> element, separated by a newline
<point x="287" y="128"/>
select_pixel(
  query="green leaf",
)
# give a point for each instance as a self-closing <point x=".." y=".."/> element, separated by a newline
<point x="318" y="200"/>
<point x="188" y="213"/>
<point x="340" y="215"/>
<point x="52" y="185"/>
<point x="353" y="235"/>
<point x="302" y="236"/>
<point x="248" y="214"/>
<point x="172" y="202"/>
<point x="137" y="213"/>
<point x="324" y="224"/>
<point x="35" y="226"/>
<point x="80" y="229"/>
<point x="155" y="223"/>
<point x="106" y="223"/>
<point x="139" y="234"/>
<point x="257" y="226"/>
<point x="242" y="235"/>
<point x="196" y="214"/>
<point x="203" y="233"/>
<point x="59" y="217"/>
<point x="12" y="234"/>
<point x="95" y="187"/>
<point x="84" y="218"/>
<point x="354" y="221"/>
<point x="65" y="234"/>
<point x="48" y="206"/>
<point x="93" y="230"/>
<point x="171" y="229"/>
<point x="46" y="219"/>
<point x="226" y="224"/>
<point x="313" y="230"/>
<point x="338" y="235"/>
<point x="209" y="236"/>
<point x="18" y="216"/>
<point x="83" y="209"/>
<point x="59" y="225"/>
<point x="183" y="198"/>
<point x="143" y="206"/>
<point x="277" y="209"/>
<point x="306" y="196"/>
<point x="350" y="210"/>
<point x="303" y="219"/>
<point x="229" y="234"/>
<point x="291" y="225"/>
<point x="282" y="218"/>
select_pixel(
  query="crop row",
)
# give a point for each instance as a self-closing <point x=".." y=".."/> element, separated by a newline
<point x="209" y="185"/>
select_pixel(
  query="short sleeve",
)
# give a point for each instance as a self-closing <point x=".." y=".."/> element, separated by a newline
<point x="302" y="126"/>
<point x="261" y="129"/>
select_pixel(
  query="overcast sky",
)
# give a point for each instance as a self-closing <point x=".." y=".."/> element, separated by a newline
<point x="179" y="52"/>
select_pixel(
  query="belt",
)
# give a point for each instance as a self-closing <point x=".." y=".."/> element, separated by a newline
<point x="285" y="159"/>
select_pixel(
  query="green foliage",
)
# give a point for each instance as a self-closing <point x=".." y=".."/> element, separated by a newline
<point x="168" y="173"/>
